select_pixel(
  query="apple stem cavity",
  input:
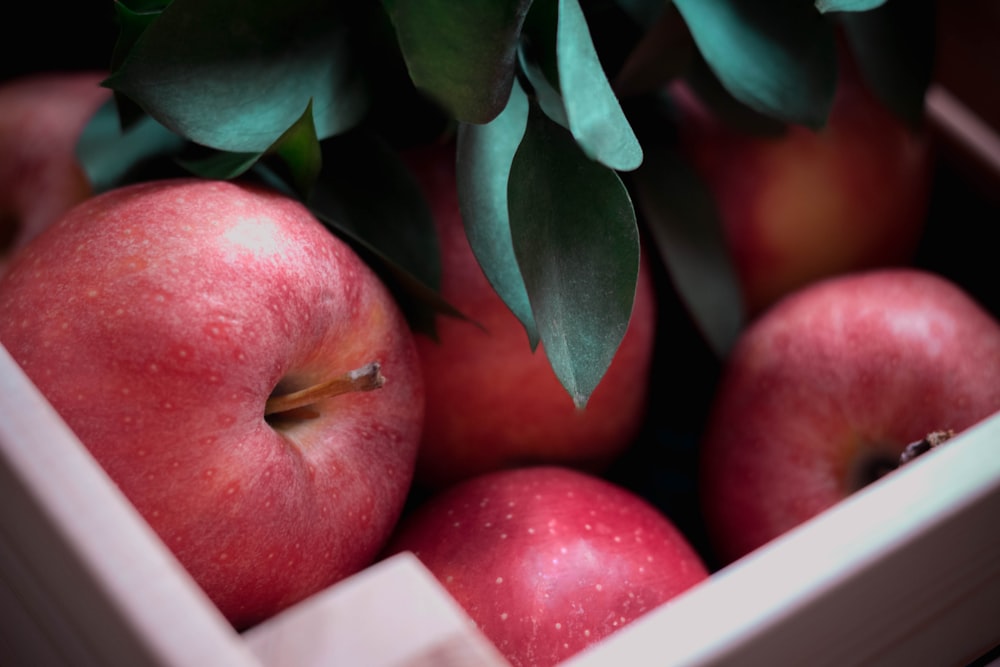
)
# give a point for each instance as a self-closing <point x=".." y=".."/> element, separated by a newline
<point x="366" y="378"/>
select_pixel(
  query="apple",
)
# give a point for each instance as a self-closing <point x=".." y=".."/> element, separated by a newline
<point x="491" y="402"/>
<point x="827" y="389"/>
<point x="548" y="560"/>
<point x="811" y="204"/>
<point x="244" y="378"/>
<point x="41" y="118"/>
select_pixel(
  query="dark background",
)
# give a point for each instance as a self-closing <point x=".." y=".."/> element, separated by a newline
<point x="72" y="35"/>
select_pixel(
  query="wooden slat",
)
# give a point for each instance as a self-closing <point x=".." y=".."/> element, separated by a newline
<point x="83" y="579"/>
<point x="394" y="613"/>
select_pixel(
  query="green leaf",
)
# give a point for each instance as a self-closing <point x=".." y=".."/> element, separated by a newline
<point x="777" y="57"/>
<point x="576" y="241"/>
<point x="561" y="64"/>
<point x="733" y="113"/>
<point x="546" y="94"/>
<point x="462" y="54"/>
<point x="109" y="155"/>
<point x="645" y="13"/>
<point x="235" y="76"/>
<point x="485" y="154"/>
<point x="221" y="165"/>
<point x="661" y="55"/>
<point x="300" y="154"/>
<point x="595" y="117"/>
<point x="848" y="5"/>
<point x="897" y="63"/>
<point x="365" y="192"/>
<point x="681" y="214"/>
<point x="296" y="158"/>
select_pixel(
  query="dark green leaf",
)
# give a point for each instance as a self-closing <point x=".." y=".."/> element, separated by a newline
<point x="546" y="94"/>
<point x="300" y="154"/>
<point x="108" y="154"/>
<point x="735" y="114"/>
<point x="485" y="154"/>
<point x="848" y="5"/>
<point x="681" y="215"/>
<point x="235" y="76"/>
<point x="221" y="165"/>
<point x="461" y="53"/>
<point x="661" y="55"/>
<point x="644" y="12"/>
<point x="576" y="241"/>
<point x="595" y="116"/>
<point x="366" y="192"/>
<point x="894" y="46"/>
<point x="777" y="57"/>
<point x="295" y="157"/>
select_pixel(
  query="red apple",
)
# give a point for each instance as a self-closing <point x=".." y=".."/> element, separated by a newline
<point x="811" y="204"/>
<point x="548" y="560"/>
<point x="826" y="389"/>
<point x="491" y="402"/>
<point x="41" y="118"/>
<point x="163" y="320"/>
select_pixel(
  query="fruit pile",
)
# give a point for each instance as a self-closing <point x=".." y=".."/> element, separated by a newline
<point x="303" y="339"/>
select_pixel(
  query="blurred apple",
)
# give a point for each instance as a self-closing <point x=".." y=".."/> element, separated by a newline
<point x="548" y="560"/>
<point x="221" y="354"/>
<point x="41" y="118"/>
<point x="824" y="392"/>
<point x="810" y="204"/>
<point x="491" y="402"/>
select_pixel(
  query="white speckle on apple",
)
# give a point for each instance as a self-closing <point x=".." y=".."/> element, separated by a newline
<point x="599" y="587"/>
<point x="92" y="293"/>
<point x="558" y="626"/>
<point x="587" y="526"/>
<point x="531" y="531"/>
<point x="503" y="536"/>
<point x="153" y="368"/>
<point x="503" y="616"/>
<point x="499" y="580"/>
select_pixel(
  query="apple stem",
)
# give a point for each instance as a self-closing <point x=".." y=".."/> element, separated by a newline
<point x="929" y="442"/>
<point x="366" y="378"/>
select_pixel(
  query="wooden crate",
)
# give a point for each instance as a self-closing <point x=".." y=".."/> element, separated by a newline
<point x="905" y="572"/>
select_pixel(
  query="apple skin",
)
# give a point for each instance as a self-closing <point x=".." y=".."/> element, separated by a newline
<point x="831" y="384"/>
<point x="491" y="402"/>
<point x="548" y="560"/>
<point x="158" y="318"/>
<point x="41" y="118"/>
<point x="811" y="204"/>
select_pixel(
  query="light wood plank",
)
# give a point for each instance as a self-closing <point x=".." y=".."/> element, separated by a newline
<point x="394" y="613"/>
